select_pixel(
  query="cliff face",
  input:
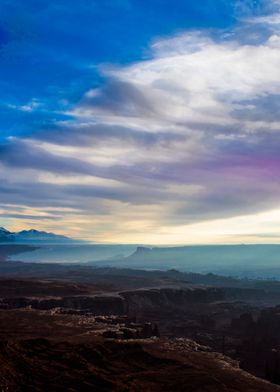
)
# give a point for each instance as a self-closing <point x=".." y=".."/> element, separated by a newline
<point x="168" y="298"/>
<point x="100" y="305"/>
<point x="130" y="301"/>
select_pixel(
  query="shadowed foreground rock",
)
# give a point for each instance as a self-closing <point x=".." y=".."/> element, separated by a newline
<point x="151" y="365"/>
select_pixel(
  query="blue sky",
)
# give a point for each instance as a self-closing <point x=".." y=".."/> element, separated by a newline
<point x="51" y="50"/>
<point x="150" y="113"/>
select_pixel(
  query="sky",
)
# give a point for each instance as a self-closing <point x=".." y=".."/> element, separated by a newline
<point x="136" y="121"/>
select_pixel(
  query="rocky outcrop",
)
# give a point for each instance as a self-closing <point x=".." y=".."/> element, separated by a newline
<point x="142" y="250"/>
<point x="133" y="331"/>
<point x="272" y="366"/>
<point x="259" y="342"/>
<point x="243" y="324"/>
<point x="43" y="365"/>
<point x="169" y="298"/>
<point x="99" y="305"/>
<point x="125" y="302"/>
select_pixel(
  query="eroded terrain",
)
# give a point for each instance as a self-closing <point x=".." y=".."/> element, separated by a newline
<point x="125" y="330"/>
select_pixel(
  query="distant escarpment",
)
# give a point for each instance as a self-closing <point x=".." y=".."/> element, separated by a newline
<point x="234" y="260"/>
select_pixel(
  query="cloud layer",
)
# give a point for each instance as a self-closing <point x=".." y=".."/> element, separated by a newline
<point x="166" y="145"/>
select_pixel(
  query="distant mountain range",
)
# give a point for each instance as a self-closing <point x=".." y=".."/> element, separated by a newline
<point x="32" y="237"/>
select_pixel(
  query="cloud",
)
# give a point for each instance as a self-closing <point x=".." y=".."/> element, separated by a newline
<point x="25" y="155"/>
<point x="187" y="136"/>
<point x="96" y="134"/>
